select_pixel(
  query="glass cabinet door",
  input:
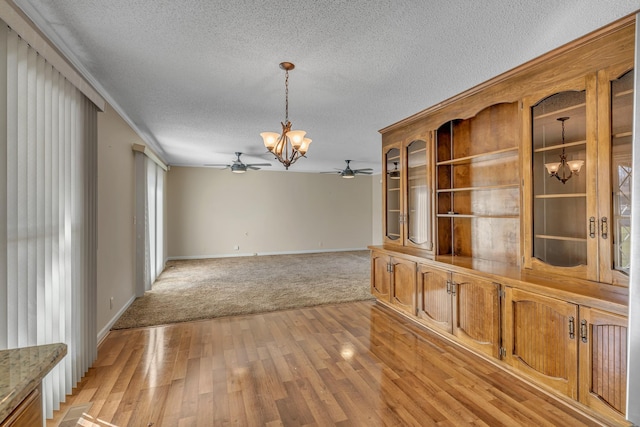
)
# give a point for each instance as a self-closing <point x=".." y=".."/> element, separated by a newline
<point x="615" y="208"/>
<point x="561" y="187"/>
<point x="621" y="143"/>
<point x="418" y="196"/>
<point x="393" y="200"/>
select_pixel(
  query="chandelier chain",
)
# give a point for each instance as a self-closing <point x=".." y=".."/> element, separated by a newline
<point x="563" y="131"/>
<point x="286" y="96"/>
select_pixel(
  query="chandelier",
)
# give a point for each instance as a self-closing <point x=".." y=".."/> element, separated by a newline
<point x="560" y="169"/>
<point x="289" y="145"/>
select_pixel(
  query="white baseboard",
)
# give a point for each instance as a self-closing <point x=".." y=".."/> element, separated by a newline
<point x="231" y="255"/>
<point x="105" y="331"/>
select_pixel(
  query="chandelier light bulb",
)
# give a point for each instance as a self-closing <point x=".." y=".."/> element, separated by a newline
<point x="575" y="165"/>
<point x="304" y="146"/>
<point x="270" y="139"/>
<point x="552" y="168"/>
<point x="296" y="137"/>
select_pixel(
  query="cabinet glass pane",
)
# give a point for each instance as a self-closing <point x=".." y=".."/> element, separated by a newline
<point x="559" y="200"/>
<point x="393" y="193"/>
<point x="418" y="199"/>
<point x="621" y="140"/>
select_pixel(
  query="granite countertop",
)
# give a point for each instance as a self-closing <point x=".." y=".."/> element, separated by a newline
<point x="22" y="370"/>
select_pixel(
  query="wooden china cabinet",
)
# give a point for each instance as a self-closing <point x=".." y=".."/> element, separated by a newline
<point x="507" y="219"/>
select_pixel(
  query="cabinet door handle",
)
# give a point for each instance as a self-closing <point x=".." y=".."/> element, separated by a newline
<point x="454" y="286"/>
<point x="583" y="330"/>
<point x="572" y="327"/>
<point x="592" y="227"/>
<point x="449" y="287"/>
<point x="604" y="227"/>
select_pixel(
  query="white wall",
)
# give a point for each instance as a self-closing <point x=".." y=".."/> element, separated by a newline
<point x="116" y="207"/>
<point x="212" y="211"/>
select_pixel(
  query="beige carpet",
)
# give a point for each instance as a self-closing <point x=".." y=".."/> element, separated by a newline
<point x="203" y="289"/>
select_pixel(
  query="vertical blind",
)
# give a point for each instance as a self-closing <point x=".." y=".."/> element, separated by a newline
<point x="154" y="253"/>
<point x="150" y="254"/>
<point x="48" y="162"/>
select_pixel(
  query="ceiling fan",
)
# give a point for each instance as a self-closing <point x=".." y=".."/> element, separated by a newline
<point x="238" y="167"/>
<point x="350" y="173"/>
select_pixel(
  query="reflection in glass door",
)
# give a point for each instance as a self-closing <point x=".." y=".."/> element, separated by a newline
<point x="393" y="199"/>
<point x="418" y="195"/>
<point x="621" y="169"/>
<point x="559" y="189"/>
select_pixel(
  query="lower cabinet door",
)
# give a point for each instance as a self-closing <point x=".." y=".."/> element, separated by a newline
<point x="403" y="285"/>
<point x="476" y="313"/>
<point x="434" y="298"/>
<point x="28" y="413"/>
<point x="603" y="361"/>
<point x="380" y="276"/>
<point x="541" y="339"/>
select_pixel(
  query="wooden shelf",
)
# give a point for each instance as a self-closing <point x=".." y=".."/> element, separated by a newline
<point x="623" y="93"/>
<point x="393" y="189"/>
<point x="421" y="150"/>
<point x="393" y="210"/>
<point x="560" y="146"/>
<point x="483" y="188"/>
<point x="490" y="155"/>
<point x="561" y="111"/>
<point x="622" y="135"/>
<point x="563" y="238"/>
<point x="477" y="216"/>
<point x="560" y="196"/>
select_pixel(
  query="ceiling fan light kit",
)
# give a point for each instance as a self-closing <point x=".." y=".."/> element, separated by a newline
<point x="238" y="167"/>
<point x="289" y="145"/>
<point x="351" y="173"/>
<point x="395" y="172"/>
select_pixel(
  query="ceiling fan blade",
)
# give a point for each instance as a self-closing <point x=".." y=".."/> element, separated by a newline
<point x="362" y="172"/>
<point x="339" y="171"/>
<point x="252" y="167"/>
<point x="365" y="170"/>
<point x="258" y="155"/>
<point x="217" y="165"/>
<point x="259" y="164"/>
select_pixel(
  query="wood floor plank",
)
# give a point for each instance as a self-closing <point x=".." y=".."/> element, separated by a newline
<point x="352" y="364"/>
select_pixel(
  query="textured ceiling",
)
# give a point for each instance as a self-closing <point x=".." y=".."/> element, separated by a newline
<point x="200" y="79"/>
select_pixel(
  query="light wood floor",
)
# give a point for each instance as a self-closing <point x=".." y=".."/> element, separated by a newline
<point x="352" y="364"/>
